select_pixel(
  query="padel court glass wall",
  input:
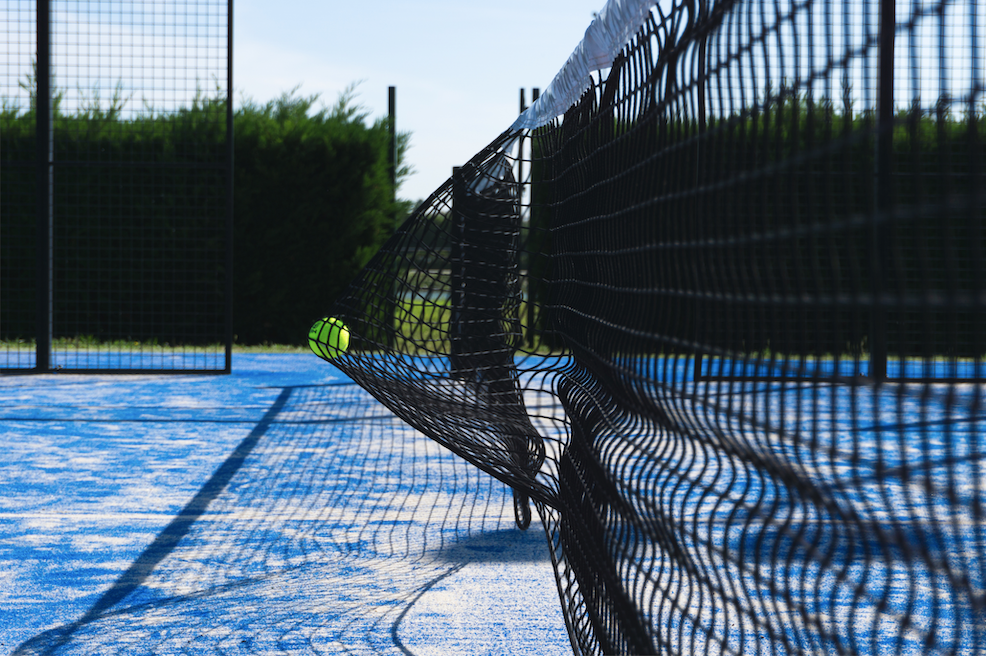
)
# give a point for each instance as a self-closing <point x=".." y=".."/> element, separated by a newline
<point x="116" y="186"/>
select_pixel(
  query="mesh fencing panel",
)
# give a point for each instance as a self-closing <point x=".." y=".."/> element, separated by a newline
<point x="141" y="173"/>
<point x="17" y="195"/>
<point x="726" y="332"/>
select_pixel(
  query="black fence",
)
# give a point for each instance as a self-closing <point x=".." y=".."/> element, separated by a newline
<point x="116" y="200"/>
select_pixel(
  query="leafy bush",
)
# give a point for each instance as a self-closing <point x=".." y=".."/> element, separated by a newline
<point x="313" y="204"/>
<point x="139" y="201"/>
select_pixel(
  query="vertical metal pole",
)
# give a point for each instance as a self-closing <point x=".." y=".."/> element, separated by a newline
<point x="456" y="256"/>
<point x="392" y="127"/>
<point x="520" y="146"/>
<point x="390" y="303"/>
<point x="44" y="155"/>
<point x="525" y="275"/>
<point x="229" y="187"/>
<point x="532" y="239"/>
<point x="699" y="320"/>
<point x="880" y="236"/>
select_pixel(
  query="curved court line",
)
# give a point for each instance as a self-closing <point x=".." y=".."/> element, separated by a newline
<point x="400" y="618"/>
<point x="50" y="641"/>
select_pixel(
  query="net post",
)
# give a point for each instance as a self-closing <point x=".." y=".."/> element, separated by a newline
<point x="455" y="251"/>
<point x="526" y="292"/>
<point x="531" y="328"/>
<point x="880" y="235"/>
<point x="44" y="161"/>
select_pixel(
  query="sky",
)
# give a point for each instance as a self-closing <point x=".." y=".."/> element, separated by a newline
<point x="458" y="65"/>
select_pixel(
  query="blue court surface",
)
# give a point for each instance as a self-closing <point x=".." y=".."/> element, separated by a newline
<point x="276" y="510"/>
<point x="283" y="510"/>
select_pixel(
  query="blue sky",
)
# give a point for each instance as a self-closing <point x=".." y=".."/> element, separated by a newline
<point x="458" y="65"/>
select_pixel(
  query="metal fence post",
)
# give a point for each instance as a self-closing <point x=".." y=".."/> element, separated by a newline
<point x="230" y="162"/>
<point x="880" y="247"/>
<point x="392" y="127"/>
<point x="390" y="305"/>
<point x="531" y="226"/>
<point x="44" y="158"/>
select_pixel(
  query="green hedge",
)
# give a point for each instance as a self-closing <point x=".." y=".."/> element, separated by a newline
<point x="140" y="240"/>
<point x="313" y="204"/>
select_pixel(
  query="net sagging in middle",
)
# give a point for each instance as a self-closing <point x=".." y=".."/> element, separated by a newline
<point x="717" y="309"/>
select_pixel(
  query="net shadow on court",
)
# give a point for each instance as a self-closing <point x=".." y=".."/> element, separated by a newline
<point x="317" y="534"/>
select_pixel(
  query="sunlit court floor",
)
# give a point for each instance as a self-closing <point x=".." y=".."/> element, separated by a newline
<point x="279" y="509"/>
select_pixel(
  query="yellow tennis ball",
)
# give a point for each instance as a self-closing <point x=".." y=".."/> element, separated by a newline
<point x="328" y="338"/>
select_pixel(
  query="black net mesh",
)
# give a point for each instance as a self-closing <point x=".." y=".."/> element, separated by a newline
<point x="722" y="322"/>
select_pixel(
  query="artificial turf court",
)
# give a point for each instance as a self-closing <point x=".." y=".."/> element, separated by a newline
<point x="282" y="510"/>
<point x="276" y="510"/>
